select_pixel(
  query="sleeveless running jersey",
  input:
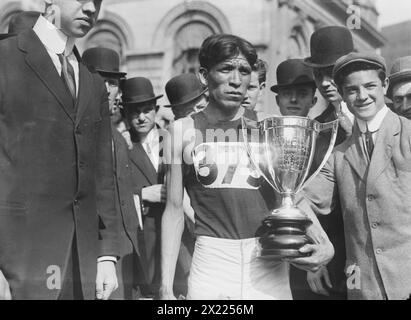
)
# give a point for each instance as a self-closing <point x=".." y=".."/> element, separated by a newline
<point x="222" y="184"/>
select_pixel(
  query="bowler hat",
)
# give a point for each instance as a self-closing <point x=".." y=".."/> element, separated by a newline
<point x="138" y="90"/>
<point x="183" y="89"/>
<point x="293" y="72"/>
<point x="328" y="44"/>
<point x="20" y="22"/>
<point x="400" y="72"/>
<point x="104" y="61"/>
<point x="371" y="59"/>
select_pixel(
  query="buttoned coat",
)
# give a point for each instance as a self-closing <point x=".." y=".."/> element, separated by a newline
<point x="128" y="267"/>
<point x="375" y="199"/>
<point x="144" y="175"/>
<point x="56" y="172"/>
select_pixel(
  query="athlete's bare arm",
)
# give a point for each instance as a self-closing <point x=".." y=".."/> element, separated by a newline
<point x="176" y="151"/>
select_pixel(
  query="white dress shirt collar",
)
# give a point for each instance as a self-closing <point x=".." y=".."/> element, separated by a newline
<point x="152" y="137"/>
<point x="152" y="147"/>
<point x="375" y="123"/>
<point x="53" y="38"/>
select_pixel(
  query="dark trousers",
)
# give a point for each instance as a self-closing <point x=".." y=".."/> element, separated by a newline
<point x="149" y="242"/>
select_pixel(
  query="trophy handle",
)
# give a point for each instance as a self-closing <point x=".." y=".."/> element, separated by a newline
<point x="249" y="152"/>
<point x="322" y="127"/>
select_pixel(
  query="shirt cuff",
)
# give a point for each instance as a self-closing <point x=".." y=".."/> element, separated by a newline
<point x="107" y="258"/>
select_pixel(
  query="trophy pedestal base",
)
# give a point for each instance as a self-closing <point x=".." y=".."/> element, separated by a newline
<point x="285" y="235"/>
<point x="278" y="254"/>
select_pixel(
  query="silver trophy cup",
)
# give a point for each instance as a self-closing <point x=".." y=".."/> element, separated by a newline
<point x="287" y="147"/>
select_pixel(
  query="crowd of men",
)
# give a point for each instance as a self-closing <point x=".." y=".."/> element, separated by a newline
<point x="97" y="200"/>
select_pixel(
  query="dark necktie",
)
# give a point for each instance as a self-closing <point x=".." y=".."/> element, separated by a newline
<point x="67" y="74"/>
<point x="369" y="142"/>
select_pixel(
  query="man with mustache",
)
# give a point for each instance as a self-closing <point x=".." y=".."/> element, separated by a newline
<point x="58" y="223"/>
<point x="205" y="154"/>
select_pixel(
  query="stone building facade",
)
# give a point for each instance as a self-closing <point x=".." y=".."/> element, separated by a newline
<point x="161" y="38"/>
<point x="398" y="41"/>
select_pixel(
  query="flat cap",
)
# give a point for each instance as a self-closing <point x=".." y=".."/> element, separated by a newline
<point x="371" y="59"/>
<point x="400" y="72"/>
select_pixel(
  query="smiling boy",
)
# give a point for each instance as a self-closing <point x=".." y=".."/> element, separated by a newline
<point x="371" y="171"/>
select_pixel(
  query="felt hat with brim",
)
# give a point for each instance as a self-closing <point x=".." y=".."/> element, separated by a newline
<point x="293" y="72"/>
<point x="20" y="22"/>
<point x="138" y="90"/>
<point x="371" y="59"/>
<point x="400" y="72"/>
<point x="104" y="61"/>
<point x="183" y="89"/>
<point x="329" y="44"/>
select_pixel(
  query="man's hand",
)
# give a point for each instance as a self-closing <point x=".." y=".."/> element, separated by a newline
<point x="167" y="295"/>
<point x="106" y="282"/>
<point x="127" y="137"/>
<point x="345" y="123"/>
<point x="154" y="194"/>
<point x="5" y="293"/>
<point x="317" y="279"/>
<point x="321" y="255"/>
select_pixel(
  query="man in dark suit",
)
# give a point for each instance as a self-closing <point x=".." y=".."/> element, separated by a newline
<point x="147" y="172"/>
<point x="58" y="224"/>
<point x="19" y="22"/>
<point x="327" y="45"/>
<point x="107" y="63"/>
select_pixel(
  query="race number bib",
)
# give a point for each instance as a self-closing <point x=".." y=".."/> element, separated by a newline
<point x="225" y="165"/>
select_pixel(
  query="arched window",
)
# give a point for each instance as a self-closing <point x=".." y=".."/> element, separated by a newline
<point x="106" y="39"/>
<point x="182" y="31"/>
<point x="188" y="41"/>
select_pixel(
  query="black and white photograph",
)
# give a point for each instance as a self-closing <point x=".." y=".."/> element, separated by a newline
<point x="205" y="150"/>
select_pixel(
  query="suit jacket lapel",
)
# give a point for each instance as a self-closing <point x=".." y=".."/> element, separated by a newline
<point x="355" y="154"/>
<point x="382" y="154"/>
<point x="40" y="62"/>
<point x="85" y="79"/>
<point x="142" y="161"/>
